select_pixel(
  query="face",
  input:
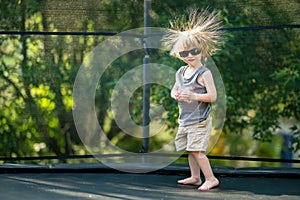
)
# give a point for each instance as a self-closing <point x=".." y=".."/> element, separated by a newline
<point x="191" y="56"/>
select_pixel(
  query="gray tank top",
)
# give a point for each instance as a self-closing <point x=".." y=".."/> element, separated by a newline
<point x="192" y="112"/>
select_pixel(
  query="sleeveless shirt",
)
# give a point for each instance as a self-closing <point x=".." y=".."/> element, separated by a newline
<point x="193" y="111"/>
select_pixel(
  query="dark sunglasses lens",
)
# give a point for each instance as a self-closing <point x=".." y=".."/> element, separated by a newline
<point x="195" y="51"/>
<point x="184" y="53"/>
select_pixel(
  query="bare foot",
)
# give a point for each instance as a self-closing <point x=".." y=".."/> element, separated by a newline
<point x="190" y="181"/>
<point x="209" y="184"/>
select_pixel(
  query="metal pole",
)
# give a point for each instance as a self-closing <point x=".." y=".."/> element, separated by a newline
<point x="146" y="91"/>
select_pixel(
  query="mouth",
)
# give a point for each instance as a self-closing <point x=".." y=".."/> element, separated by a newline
<point x="190" y="59"/>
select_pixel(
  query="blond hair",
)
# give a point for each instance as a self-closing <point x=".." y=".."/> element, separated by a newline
<point x="201" y="29"/>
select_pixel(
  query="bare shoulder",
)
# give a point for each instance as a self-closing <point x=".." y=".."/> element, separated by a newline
<point x="205" y="77"/>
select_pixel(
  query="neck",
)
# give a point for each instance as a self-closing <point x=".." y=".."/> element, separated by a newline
<point x="196" y="66"/>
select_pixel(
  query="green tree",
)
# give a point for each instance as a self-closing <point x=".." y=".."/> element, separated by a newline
<point x="260" y="69"/>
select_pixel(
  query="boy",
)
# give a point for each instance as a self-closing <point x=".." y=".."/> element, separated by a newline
<point x="194" y="89"/>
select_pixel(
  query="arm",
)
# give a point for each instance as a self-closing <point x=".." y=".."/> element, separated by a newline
<point x="174" y="91"/>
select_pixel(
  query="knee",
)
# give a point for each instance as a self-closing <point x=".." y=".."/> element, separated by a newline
<point x="198" y="154"/>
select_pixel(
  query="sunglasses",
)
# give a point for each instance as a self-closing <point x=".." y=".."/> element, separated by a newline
<point x="195" y="51"/>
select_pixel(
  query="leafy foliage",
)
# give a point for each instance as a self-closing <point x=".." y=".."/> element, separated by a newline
<point x="260" y="70"/>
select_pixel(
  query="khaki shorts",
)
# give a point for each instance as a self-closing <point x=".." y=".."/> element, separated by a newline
<point x="194" y="137"/>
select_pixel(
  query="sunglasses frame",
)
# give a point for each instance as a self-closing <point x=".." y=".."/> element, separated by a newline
<point x="194" y="52"/>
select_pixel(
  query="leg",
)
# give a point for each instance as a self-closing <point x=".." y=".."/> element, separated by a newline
<point x="195" y="178"/>
<point x="210" y="180"/>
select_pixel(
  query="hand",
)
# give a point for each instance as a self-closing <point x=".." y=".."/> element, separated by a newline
<point x="186" y="95"/>
<point x="177" y="95"/>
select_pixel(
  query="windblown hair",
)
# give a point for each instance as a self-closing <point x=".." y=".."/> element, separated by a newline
<point x="198" y="29"/>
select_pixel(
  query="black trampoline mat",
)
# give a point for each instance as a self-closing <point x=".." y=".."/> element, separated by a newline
<point x="127" y="186"/>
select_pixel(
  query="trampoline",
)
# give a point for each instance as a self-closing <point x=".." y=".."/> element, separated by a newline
<point x="96" y="181"/>
<point x="22" y="178"/>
